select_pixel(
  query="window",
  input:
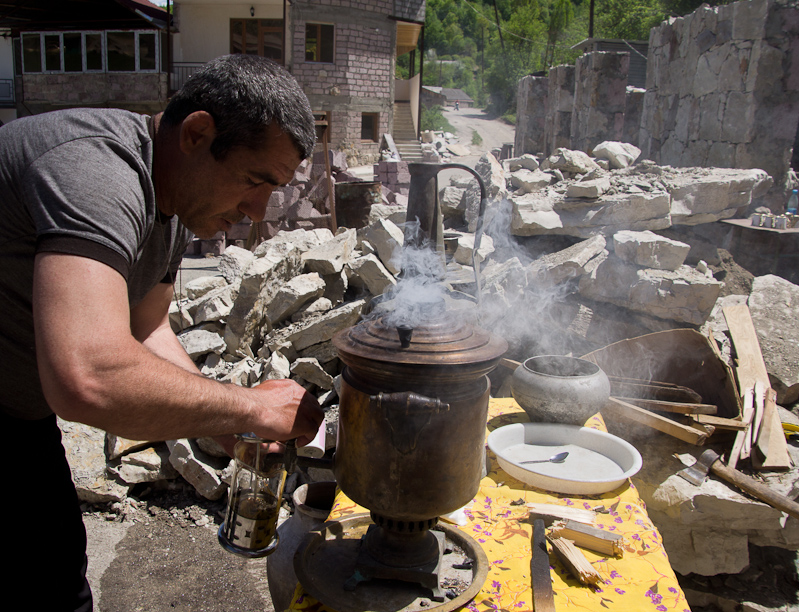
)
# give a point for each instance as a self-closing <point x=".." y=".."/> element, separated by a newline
<point x="262" y="37"/>
<point x="319" y="43"/>
<point x="114" y="51"/>
<point x="370" y="125"/>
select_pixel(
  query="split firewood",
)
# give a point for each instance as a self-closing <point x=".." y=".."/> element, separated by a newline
<point x="574" y="560"/>
<point x="674" y="407"/>
<point x="718" y="422"/>
<point x="746" y="419"/>
<point x="554" y="512"/>
<point x="619" y="409"/>
<point x="585" y="536"/>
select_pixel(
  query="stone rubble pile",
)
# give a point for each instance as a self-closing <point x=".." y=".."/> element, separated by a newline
<point x="577" y="275"/>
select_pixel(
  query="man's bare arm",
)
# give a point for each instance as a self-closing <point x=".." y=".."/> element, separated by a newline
<point x="95" y="371"/>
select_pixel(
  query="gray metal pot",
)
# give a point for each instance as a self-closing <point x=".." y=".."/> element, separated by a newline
<point x="560" y="389"/>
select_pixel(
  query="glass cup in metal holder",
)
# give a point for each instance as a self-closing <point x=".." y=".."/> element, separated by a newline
<point x="254" y="499"/>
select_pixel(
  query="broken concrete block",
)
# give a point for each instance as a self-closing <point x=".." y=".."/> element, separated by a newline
<point x="309" y="369"/>
<point x="197" y="468"/>
<point x="330" y="257"/>
<point x="588" y="189"/>
<point x="233" y="262"/>
<point x="199" y="342"/>
<point x="618" y="154"/>
<point x="198" y="287"/>
<point x="387" y="239"/>
<point x="293" y="295"/>
<point x="373" y="274"/>
<point x="648" y="250"/>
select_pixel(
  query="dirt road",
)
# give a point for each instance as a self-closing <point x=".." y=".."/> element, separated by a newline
<point x="494" y="132"/>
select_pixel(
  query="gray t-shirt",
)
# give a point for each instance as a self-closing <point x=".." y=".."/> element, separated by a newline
<point x="78" y="182"/>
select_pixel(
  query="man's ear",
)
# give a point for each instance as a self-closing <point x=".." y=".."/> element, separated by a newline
<point x="197" y="130"/>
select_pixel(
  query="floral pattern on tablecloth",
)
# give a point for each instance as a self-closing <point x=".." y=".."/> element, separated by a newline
<point x="641" y="580"/>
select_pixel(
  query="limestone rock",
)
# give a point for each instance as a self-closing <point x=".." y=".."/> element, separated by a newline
<point x="317" y="329"/>
<point x="556" y="268"/>
<point x="293" y="295"/>
<point x="277" y="367"/>
<point x="245" y="373"/>
<point x="198" y="287"/>
<point x="682" y="295"/>
<point x="149" y="465"/>
<point x="774" y="304"/>
<point x="528" y="181"/>
<point x="451" y="200"/>
<point x="588" y="189"/>
<point x="648" y="250"/>
<point x="197" y="342"/>
<point x="301" y="240"/>
<point x="200" y="470"/>
<point x="261" y="280"/>
<point x="387" y="239"/>
<point x="179" y="316"/>
<point x="373" y="274"/>
<point x="575" y="162"/>
<point x="85" y="452"/>
<point x="216" y="304"/>
<point x="618" y="154"/>
<point x="526" y="161"/>
<point x="316" y="307"/>
<point x="463" y="254"/>
<point x="309" y="369"/>
<point x="117" y="446"/>
<point x="233" y="262"/>
<point x="330" y="256"/>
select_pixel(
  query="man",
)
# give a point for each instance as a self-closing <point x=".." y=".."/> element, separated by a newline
<point x="97" y="209"/>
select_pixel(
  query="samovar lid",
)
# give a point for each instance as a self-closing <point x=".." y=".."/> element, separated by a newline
<point x="443" y="340"/>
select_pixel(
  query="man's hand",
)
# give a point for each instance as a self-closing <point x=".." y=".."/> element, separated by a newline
<point x="289" y="411"/>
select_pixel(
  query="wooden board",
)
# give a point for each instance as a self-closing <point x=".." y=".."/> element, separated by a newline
<point x="616" y="408"/>
<point x="750" y="369"/>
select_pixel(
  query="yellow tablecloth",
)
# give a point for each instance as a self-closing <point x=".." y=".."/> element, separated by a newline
<point x="640" y="580"/>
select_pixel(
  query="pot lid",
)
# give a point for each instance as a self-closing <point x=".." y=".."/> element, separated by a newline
<point x="443" y="340"/>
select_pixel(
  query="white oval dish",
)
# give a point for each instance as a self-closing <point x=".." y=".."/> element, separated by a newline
<point x="598" y="462"/>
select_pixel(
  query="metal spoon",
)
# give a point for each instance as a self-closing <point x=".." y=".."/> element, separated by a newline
<point x="559" y="458"/>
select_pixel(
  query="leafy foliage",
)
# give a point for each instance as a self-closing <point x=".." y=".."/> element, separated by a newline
<point x="485" y="46"/>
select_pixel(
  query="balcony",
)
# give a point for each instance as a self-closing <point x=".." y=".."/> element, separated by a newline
<point x="181" y="71"/>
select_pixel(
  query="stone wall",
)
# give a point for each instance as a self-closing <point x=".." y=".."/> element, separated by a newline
<point x="141" y="92"/>
<point x="531" y="111"/>
<point x="600" y="94"/>
<point x="723" y="88"/>
<point x="557" y="128"/>
<point x="361" y="78"/>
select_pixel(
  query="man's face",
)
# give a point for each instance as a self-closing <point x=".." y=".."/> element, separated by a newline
<point x="216" y="194"/>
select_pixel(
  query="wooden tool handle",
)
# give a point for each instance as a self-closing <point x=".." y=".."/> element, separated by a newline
<point x="756" y="489"/>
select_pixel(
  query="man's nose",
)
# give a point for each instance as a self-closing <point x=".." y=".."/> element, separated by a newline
<point x="255" y="207"/>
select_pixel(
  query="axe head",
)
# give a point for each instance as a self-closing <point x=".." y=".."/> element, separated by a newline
<point x="697" y="473"/>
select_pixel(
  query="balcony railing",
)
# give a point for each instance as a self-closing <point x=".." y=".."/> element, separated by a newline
<point x="181" y="71"/>
<point x="7" y="92"/>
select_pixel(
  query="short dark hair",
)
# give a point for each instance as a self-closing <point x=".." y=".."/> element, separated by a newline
<point x="244" y="94"/>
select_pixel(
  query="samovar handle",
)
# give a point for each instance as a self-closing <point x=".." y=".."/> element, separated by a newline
<point x="407" y="414"/>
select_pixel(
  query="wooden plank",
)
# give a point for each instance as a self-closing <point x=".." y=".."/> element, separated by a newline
<point x="627" y="387"/>
<point x="768" y="454"/>
<point x="620" y="409"/>
<point x="757" y="416"/>
<point x="718" y="422"/>
<point x="746" y="419"/>
<point x="674" y="407"/>
<point x="773" y="450"/>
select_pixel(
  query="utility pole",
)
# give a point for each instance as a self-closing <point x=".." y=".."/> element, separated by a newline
<point x="499" y="29"/>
